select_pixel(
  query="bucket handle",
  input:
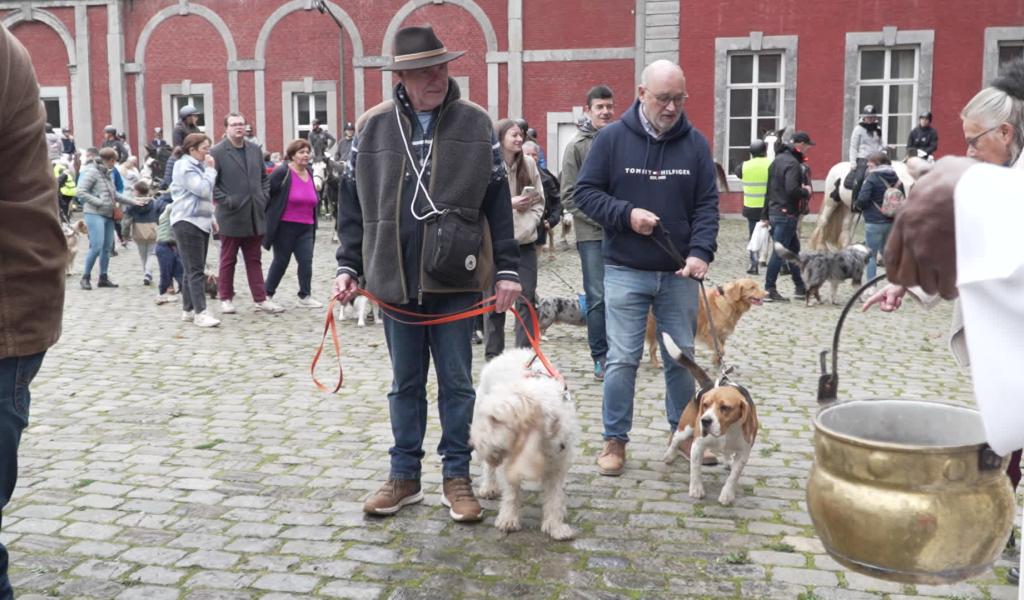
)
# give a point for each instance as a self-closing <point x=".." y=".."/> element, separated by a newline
<point x="828" y="383"/>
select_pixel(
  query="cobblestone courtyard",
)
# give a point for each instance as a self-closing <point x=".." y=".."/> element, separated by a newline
<point x="168" y="462"/>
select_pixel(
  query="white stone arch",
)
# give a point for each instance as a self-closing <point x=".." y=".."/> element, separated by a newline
<point x="81" y="104"/>
<point x="138" y="67"/>
<point x="260" y="87"/>
<point x="490" y="39"/>
<point x="47" y="18"/>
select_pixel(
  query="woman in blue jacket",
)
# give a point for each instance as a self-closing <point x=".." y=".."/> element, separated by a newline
<point x="881" y="176"/>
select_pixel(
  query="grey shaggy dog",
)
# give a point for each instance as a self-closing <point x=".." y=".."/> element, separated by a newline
<point x="557" y="309"/>
<point x="823" y="266"/>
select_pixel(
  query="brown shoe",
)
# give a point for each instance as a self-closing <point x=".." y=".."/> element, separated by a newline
<point x="612" y="461"/>
<point x="392" y="496"/>
<point x="457" y="495"/>
<point x="709" y="459"/>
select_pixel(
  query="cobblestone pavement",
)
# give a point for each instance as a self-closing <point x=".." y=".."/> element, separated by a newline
<point x="168" y="462"/>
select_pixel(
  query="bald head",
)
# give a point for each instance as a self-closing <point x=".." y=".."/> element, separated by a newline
<point x="662" y="93"/>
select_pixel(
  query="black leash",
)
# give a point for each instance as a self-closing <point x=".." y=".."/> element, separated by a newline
<point x="677" y="257"/>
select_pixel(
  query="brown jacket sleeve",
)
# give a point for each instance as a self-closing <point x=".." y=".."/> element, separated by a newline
<point x="33" y="250"/>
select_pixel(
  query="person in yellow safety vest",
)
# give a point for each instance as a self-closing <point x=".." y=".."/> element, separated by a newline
<point x="754" y="173"/>
<point x="66" y="188"/>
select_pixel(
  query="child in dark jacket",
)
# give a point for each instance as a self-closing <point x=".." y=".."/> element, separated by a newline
<point x="881" y="176"/>
<point x="166" y="250"/>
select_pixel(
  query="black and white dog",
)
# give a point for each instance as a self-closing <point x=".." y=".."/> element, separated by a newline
<point x="823" y="266"/>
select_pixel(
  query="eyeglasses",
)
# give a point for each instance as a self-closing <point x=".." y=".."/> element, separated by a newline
<point x="242" y="124"/>
<point x="664" y="99"/>
<point x="972" y="142"/>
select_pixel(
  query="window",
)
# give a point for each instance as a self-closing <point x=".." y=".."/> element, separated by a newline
<point x="1009" y="52"/>
<point x="754" y="95"/>
<point x="305" y="108"/>
<point x="179" y="101"/>
<point x="55" y="102"/>
<point x="887" y="79"/>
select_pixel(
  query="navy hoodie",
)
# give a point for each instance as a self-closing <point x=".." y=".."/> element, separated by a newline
<point x="674" y="177"/>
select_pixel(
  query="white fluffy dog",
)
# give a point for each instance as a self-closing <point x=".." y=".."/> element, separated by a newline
<point x="524" y="429"/>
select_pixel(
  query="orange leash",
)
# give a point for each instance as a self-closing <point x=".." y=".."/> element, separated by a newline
<point x="480" y="308"/>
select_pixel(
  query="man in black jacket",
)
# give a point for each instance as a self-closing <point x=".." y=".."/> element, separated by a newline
<point x="787" y="189"/>
<point x="422" y="155"/>
<point x="923" y="140"/>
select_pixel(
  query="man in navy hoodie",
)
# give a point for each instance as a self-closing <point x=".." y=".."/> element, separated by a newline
<point x="649" y="180"/>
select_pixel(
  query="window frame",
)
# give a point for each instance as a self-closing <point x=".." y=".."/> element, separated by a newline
<point x="307" y="85"/>
<point x="754" y="42"/>
<point x="887" y="82"/>
<point x="888" y="37"/>
<point x="170" y="114"/>
<point x="310" y="98"/>
<point x="60" y="94"/>
<point x="995" y="37"/>
<point x="755" y="86"/>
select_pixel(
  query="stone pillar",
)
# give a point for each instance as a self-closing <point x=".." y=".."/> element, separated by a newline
<point x="657" y="28"/>
<point x="81" y="95"/>
<point x="515" y="59"/>
<point x="115" y="61"/>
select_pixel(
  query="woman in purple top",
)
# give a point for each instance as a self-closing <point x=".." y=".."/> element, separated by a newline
<point x="291" y="220"/>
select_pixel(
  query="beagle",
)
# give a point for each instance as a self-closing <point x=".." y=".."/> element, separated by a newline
<point x="723" y="419"/>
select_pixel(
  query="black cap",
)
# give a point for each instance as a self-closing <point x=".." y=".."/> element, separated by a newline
<point x="927" y="115"/>
<point x="801" y="137"/>
<point x="349" y="126"/>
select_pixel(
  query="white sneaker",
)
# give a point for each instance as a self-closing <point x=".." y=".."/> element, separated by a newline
<point x="309" y="302"/>
<point x="227" y="308"/>
<point x="188" y="316"/>
<point x="205" y="319"/>
<point x="269" y="306"/>
<point x="163" y="298"/>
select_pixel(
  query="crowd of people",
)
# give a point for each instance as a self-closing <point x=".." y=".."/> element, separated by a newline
<point x="642" y="189"/>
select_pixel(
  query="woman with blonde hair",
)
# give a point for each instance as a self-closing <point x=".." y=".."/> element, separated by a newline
<point x="527" y="192"/>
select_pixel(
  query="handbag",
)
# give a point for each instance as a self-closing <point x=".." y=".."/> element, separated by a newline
<point x="144" y="232"/>
<point x="117" y="214"/>
<point x="451" y="248"/>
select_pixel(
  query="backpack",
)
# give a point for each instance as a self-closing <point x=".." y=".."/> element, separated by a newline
<point x="892" y="200"/>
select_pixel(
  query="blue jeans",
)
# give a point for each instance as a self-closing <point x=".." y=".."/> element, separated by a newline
<point x="170" y="266"/>
<point x="16" y="373"/>
<point x="101" y="240"/>
<point x="592" y="262"/>
<point x="411" y="347"/>
<point x="784" y="231"/>
<point x="297" y="239"/>
<point x="876" y="234"/>
<point x="630" y="294"/>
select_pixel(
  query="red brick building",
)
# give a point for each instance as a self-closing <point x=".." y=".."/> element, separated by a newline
<point x="750" y="67"/>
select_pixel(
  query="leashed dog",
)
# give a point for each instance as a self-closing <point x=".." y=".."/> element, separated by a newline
<point x="559" y="309"/>
<point x="723" y="419"/>
<point x="72" y="232"/>
<point x="524" y="429"/>
<point x="823" y="266"/>
<point x="728" y="302"/>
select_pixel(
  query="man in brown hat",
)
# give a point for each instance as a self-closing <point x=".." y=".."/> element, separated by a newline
<point x="425" y="217"/>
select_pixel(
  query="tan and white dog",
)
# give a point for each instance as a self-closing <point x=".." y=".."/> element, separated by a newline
<point x="723" y="419"/>
<point x="72" y="232"/>
<point x="524" y="429"/>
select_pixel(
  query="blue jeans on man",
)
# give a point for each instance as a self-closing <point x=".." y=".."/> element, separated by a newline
<point x="785" y="232"/>
<point x="630" y="293"/>
<point x="411" y="348"/>
<point x="16" y="373"/>
<point x="592" y="263"/>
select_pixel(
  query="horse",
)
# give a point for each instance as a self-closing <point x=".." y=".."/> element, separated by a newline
<point x="325" y="180"/>
<point x="834" y="227"/>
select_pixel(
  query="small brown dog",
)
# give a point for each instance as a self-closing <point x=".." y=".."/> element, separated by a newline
<point x="72" y="232"/>
<point x="210" y="285"/>
<point x="729" y="303"/>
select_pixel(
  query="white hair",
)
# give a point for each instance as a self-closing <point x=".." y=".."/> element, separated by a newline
<point x="991" y="107"/>
<point x="531" y="143"/>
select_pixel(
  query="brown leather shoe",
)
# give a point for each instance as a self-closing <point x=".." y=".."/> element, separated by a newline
<point x="612" y="461"/>
<point x="709" y="460"/>
<point x="457" y="495"/>
<point x="392" y="496"/>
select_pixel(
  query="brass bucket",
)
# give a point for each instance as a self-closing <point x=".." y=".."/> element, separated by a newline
<point x="905" y="490"/>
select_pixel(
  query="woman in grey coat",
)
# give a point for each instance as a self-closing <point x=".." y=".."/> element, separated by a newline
<point x="98" y="196"/>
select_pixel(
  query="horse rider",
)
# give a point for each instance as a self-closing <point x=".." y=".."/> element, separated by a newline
<point x="754" y="173"/>
<point x="923" y="140"/>
<point x="321" y="140"/>
<point x="865" y="141"/>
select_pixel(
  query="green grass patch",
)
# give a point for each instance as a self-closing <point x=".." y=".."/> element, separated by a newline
<point x="209" y="445"/>
<point x="781" y="547"/>
<point x="738" y="558"/>
<point x="84" y="482"/>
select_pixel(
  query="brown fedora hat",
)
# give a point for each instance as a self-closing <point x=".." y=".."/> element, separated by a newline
<point x="418" y="48"/>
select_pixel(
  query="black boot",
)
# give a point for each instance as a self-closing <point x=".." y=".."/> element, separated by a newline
<point x="105" y="282"/>
<point x="752" y="270"/>
<point x="1013" y="577"/>
<point x="85" y="283"/>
